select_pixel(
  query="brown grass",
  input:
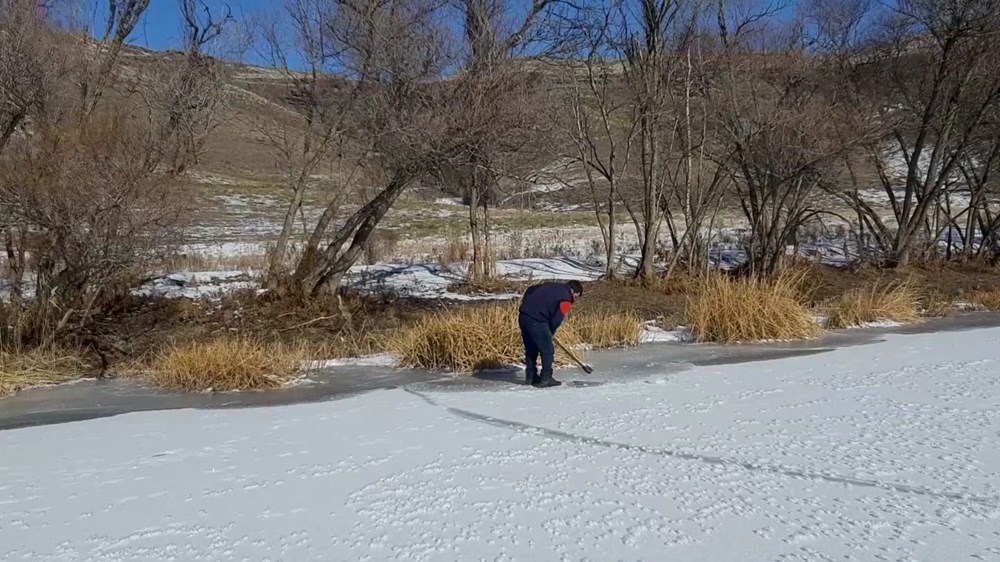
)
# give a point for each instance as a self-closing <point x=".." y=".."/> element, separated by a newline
<point x="470" y="339"/>
<point x="227" y="364"/>
<point x="681" y="282"/>
<point x="895" y="301"/>
<point x="198" y="262"/>
<point x="27" y="369"/>
<point x="730" y="310"/>
<point x="604" y="330"/>
<point x="989" y="300"/>
<point x="456" y="250"/>
<point x="937" y="305"/>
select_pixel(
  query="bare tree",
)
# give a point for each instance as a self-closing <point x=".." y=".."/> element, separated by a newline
<point x="600" y="125"/>
<point x="29" y="64"/>
<point x="189" y="97"/>
<point x="98" y="72"/>
<point x="781" y="122"/>
<point x="664" y="26"/>
<point x="394" y="54"/>
<point x="701" y="174"/>
<point x="317" y="133"/>
<point x="495" y="88"/>
<point x="89" y="197"/>
<point x="977" y="225"/>
<point x="929" y="69"/>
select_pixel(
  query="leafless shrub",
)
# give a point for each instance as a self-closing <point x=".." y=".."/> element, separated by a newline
<point x="89" y="198"/>
<point x="786" y="131"/>
<point x="30" y="65"/>
<point x="87" y="212"/>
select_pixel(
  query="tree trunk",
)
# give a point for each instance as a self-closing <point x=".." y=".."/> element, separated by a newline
<point x="647" y="256"/>
<point x="280" y="252"/>
<point x="489" y="264"/>
<point x="8" y="131"/>
<point x="609" y="270"/>
<point x="477" y="269"/>
<point x="328" y="268"/>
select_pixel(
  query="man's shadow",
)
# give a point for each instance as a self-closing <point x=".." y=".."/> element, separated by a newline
<point x="509" y="374"/>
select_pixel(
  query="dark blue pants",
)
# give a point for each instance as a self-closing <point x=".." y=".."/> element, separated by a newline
<point x="537" y="338"/>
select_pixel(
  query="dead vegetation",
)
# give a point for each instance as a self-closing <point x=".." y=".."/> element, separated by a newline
<point x="893" y="301"/>
<point x="27" y="369"/>
<point x="989" y="299"/>
<point x="227" y="364"/>
<point x="605" y="330"/>
<point x="476" y="338"/>
<point x="936" y="305"/>
<point x="489" y="286"/>
<point x="466" y="340"/>
<point x="729" y="309"/>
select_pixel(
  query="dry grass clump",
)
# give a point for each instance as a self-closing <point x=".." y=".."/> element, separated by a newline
<point x="470" y="339"/>
<point x="197" y="262"/>
<point x="895" y="301"/>
<point x="603" y="330"/>
<point x="26" y="369"/>
<point x="729" y="310"/>
<point x="989" y="300"/>
<point x="227" y="364"/>
<point x="938" y="305"/>
<point x="467" y="339"/>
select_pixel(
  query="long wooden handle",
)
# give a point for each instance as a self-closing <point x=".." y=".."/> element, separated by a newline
<point x="586" y="368"/>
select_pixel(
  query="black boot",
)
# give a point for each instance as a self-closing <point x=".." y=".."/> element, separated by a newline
<point x="547" y="382"/>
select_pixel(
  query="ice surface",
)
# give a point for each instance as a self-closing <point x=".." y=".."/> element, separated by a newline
<point x="881" y="452"/>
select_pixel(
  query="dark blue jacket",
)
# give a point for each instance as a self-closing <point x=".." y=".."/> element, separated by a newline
<point x="548" y="303"/>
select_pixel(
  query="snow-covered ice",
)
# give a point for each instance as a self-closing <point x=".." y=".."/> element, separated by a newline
<point x="887" y="451"/>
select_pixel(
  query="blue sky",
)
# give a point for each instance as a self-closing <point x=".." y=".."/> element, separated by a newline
<point x="160" y="27"/>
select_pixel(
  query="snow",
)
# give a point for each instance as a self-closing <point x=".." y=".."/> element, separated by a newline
<point x="654" y="334"/>
<point x="225" y="249"/>
<point x="432" y="280"/>
<point x="538" y="269"/>
<point x="879" y="324"/>
<point x="196" y="285"/>
<point x="881" y="452"/>
<point x="546" y="187"/>
<point x="379" y="360"/>
<point x="427" y="281"/>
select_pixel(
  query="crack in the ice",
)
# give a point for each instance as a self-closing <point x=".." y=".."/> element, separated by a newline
<point x="710" y="459"/>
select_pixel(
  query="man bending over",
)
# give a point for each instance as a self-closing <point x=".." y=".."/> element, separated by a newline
<point x="543" y="309"/>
